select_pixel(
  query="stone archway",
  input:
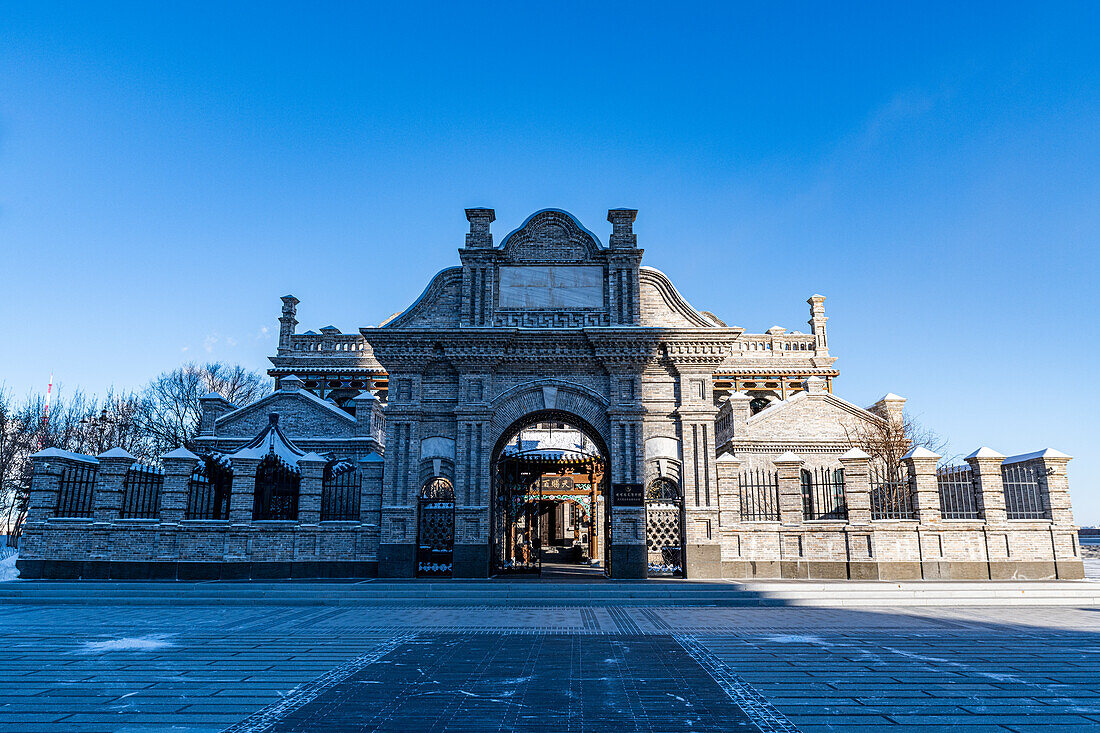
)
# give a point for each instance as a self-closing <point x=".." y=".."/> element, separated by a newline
<point x="528" y="483"/>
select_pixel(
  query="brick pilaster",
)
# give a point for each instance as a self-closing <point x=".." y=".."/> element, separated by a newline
<point x="243" y="494"/>
<point x="111" y="483"/>
<point x="857" y="485"/>
<point x="986" y="465"/>
<point x="310" y="484"/>
<point x="921" y="463"/>
<point x="178" y="467"/>
<point x="789" y="467"/>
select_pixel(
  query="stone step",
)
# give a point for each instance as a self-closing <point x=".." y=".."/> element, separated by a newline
<point x="498" y="593"/>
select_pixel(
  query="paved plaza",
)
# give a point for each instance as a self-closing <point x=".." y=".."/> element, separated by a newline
<point x="112" y="666"/>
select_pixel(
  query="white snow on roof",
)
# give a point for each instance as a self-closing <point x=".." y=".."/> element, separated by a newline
<point x="58" y="453"/>
<point x="116" y="453"/>
<point x="180" y="452"/>
<point x="985" y="452"/>
<point x="1045" y="453"/>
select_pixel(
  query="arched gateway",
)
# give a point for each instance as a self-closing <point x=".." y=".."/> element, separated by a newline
<point x="549" y="331"/>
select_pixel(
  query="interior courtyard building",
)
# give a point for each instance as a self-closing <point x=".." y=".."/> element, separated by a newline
<point x="550" y="405"/>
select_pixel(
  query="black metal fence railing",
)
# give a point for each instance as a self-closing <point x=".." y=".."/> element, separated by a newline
<point x="760" y="496"/>
<point x="340" y="492"/>
<point x="74" y="499"/>
<point x="141" y="494"/>
<point x="958" y="495"/>
<point x="209" y="489"/>
<point x="276" y="493"/>
<point x="1023" y="495"/>
<point x="823" y="494"/>
<point x="891" y="492"/>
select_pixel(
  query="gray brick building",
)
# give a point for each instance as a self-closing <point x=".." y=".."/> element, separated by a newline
<point x="691" y="448"/>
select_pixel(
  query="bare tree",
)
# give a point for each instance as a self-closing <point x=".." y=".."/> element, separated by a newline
<point x="887" y="441"/>
<point x="169" y="407"/>
<point x="16" y="445"/>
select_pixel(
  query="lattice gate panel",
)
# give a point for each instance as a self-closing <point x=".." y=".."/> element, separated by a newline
<point x="664" y="539"/>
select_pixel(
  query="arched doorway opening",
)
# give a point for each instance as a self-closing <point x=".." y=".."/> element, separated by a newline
<point x="549" y="506"/>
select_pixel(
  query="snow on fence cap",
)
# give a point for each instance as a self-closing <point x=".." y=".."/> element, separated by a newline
<point x="116" y="453"/>
<point x="180" y="452"/>
<point x="787" y="457"/>
<point x="58" y="453"/>
<point x="985" y="452"/>
<point x="920" y="451"/>
<point x="372" y="457"/>
<point x="854" y="453"/>
<point x="727" y="456"/>
<point x="1045" y="453"/>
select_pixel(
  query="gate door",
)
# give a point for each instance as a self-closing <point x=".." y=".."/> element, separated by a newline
<point x="664" y="528"/>
<point x="436" y="528"/>
<point x="517" y="539"/>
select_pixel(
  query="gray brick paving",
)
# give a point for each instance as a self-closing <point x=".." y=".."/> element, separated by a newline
<point x="205" y="668"/>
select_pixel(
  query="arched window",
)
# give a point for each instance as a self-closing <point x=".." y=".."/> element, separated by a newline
<point x="276" y="494"/>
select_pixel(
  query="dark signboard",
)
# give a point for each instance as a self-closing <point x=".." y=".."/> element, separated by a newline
<point x="627" y="495"/>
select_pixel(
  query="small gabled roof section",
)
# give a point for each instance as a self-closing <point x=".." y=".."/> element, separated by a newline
<point x="271" y="441"/>
<point x="283" y="393"/>
<point x="800" y="397"/>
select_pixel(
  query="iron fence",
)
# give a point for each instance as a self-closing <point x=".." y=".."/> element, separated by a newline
<point x="958" y="497"/>
<point x="1023" y="495"/>
<point x="74" y="499"/>
<point x="891" y="492"/>
<point x="340" y="492"/>
<point x="209" y="489"/>
<point x="141" y="494"/>
<point x="760" y="496"/>
<point x="276" y="494"/>
<point x="823" y="494"/>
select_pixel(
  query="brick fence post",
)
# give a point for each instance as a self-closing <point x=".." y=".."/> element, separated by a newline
<point x="370" y="487"/>
<point x="110" y="483"/>
<point x="244" y="490"/>
<point x="1052" y="468"/>
<point x="857" y="485"/>
<point x="921" y="463"/>
<point x="728" y="469"/>
<point x="45" y="486"/>
<point x="986" y="465"/>
<point x="790" y="488"/>
<point x="311" y="483"/>
<point x="178" y="467"/>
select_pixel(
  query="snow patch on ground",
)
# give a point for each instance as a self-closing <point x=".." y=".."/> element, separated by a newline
<point x="795" y="639"/>
<point x="7" y="568"/>
<point x="126" y="644"/>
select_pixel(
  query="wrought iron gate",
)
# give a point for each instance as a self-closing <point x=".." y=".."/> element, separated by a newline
<point x="664" y="528"/>
<point x="517" y="536"/>
<point x="436" y="528"/>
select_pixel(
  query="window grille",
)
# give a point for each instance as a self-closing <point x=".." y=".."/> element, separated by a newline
<point x="276" y="494"/>
<point x="340" y="492"/>
<point x="958" y="498"/>
<point x="141" y="494"/>
<point x="891" y="492"/>
<point x="75" y="496"/>
<point x="209" y="490"/>
<point x="760" y="496"/>
<point x="1023" y="496"/>
<point x="823" y="494"/>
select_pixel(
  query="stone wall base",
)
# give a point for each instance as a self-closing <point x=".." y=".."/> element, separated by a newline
<point x="397" y="560"/>
<point x="928" y="570"/>
<point x="471" y="561"/>
<point x="629" y="561"/>
<point x="183" y="570"/>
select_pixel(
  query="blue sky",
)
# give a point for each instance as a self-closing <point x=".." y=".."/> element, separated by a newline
<point x="167" y="173"/>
